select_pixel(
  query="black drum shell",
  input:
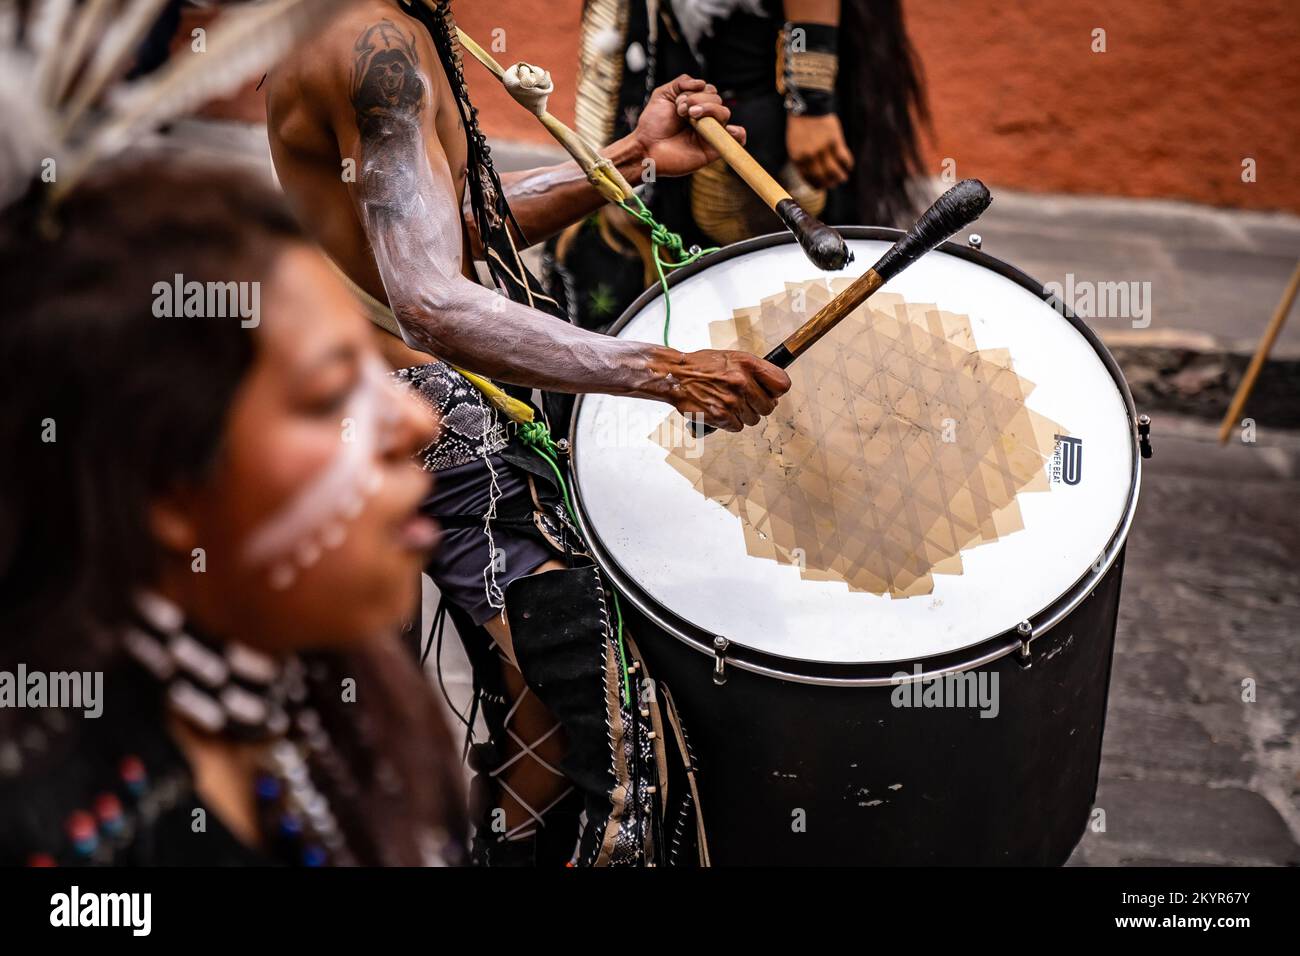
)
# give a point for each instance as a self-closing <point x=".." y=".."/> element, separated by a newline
<point x="1015" y="789"/>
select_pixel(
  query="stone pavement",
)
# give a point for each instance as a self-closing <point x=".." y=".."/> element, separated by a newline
<point x="1191" y="773"/>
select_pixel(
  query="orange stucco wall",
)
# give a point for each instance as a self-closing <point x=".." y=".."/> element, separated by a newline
<point x="1185" y="91"/>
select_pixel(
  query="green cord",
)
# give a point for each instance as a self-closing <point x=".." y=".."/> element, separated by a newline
<point x="537" y="436"/>
<point x="662" y="238"/>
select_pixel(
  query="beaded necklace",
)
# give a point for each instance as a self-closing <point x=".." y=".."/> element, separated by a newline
<point x="239" y="694"/>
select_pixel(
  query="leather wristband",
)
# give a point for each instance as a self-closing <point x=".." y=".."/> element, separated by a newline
<point x="807" y="65"/>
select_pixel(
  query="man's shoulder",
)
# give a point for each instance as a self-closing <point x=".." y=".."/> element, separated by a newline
<point x="324" y="65"/>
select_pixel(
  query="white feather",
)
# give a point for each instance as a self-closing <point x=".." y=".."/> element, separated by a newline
<point x="48" y="25"/>
<point x="110" y="59"/>
<point x="241" y="45"/>
<point x="91" y="22"/>
<point x="27" y="135"/>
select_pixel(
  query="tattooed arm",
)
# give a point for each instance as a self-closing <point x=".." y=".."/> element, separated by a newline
<point x="408" y="205"/>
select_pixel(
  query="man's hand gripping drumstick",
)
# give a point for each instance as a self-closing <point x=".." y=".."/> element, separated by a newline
<point x="954" y="210"/>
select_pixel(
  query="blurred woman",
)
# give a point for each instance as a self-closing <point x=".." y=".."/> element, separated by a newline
<point x="207" y="496"/>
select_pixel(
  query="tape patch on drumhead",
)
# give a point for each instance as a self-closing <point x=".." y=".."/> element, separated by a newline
<point x="899" y="445"/>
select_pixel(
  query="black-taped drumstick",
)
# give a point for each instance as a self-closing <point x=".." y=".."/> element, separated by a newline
<point x="823" y="246"/>
<point x="954" y="210"/>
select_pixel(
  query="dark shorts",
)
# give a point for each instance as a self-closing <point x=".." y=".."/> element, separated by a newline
<point x="463" y="555"/>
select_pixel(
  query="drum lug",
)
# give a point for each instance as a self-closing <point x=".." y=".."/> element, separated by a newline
<point x="1144" y="435"/>
<point x="975" y="240"/>
<point x="1025" y="631"/>
<point x="720" y="645"/>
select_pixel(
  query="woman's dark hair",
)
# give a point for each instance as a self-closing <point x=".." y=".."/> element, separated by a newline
<point x="105" y="405"/>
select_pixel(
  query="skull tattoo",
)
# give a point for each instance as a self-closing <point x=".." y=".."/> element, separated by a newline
<point x="386" y="80"/>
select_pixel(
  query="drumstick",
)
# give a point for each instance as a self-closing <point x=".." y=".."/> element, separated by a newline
<point x="957" y="208"/>
<point x="1259" y="358"/>
<point x="823" y="245"/>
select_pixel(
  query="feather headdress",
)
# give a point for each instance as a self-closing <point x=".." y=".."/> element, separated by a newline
<point x="63" y="104"/>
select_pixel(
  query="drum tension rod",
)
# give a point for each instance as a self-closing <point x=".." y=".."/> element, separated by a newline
<point x="1144" y="435"/>
<point x="1026" y="632"/>
<point x="720" y="645"/>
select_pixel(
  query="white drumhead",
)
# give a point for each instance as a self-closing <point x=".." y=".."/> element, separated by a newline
<point x="910" y="496"/>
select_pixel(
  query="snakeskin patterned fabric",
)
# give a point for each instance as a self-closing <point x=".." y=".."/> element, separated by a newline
<point x="471" y="428"/>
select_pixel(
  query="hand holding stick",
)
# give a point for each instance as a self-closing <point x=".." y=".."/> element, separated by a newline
<point x="954" y="210"/>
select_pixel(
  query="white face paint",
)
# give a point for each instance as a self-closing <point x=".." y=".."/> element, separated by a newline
<point x="316" y="518"/>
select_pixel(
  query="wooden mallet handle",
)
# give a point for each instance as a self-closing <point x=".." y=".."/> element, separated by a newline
<point x="957" y="208"/>
<point x="822" y="244"/>
<point x="1238" y="403"/>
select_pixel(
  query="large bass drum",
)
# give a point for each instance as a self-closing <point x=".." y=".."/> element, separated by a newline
<point x="886" y="614"/>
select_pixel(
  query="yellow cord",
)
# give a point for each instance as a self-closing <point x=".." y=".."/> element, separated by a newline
<point x="506" y="403"/>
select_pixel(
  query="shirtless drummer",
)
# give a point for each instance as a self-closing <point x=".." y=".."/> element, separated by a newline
<point x="382" y="88"/>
